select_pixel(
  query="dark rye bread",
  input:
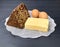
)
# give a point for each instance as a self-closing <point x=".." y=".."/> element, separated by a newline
<point x="18" y="16"/>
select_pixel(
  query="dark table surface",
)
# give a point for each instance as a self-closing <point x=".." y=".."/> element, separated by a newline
<point x="52" y="7"/>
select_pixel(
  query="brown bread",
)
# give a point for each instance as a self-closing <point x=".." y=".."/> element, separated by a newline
<point x="18" y="16"/>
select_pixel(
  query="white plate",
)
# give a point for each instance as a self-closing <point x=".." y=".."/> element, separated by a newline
<point x="31" y="33"/>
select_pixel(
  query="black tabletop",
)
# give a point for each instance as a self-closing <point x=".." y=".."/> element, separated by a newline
<point x="52" y="7"/>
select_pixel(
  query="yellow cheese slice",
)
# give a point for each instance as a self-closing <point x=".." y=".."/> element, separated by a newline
<point x="39" y="24"/>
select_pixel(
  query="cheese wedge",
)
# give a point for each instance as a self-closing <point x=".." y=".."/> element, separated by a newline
<point x="39" y="24"/>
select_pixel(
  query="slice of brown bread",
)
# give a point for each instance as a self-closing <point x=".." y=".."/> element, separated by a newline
<point x="18" y="16"/>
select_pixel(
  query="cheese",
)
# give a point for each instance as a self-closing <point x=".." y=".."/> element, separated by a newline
<point x="39" y="24"/>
